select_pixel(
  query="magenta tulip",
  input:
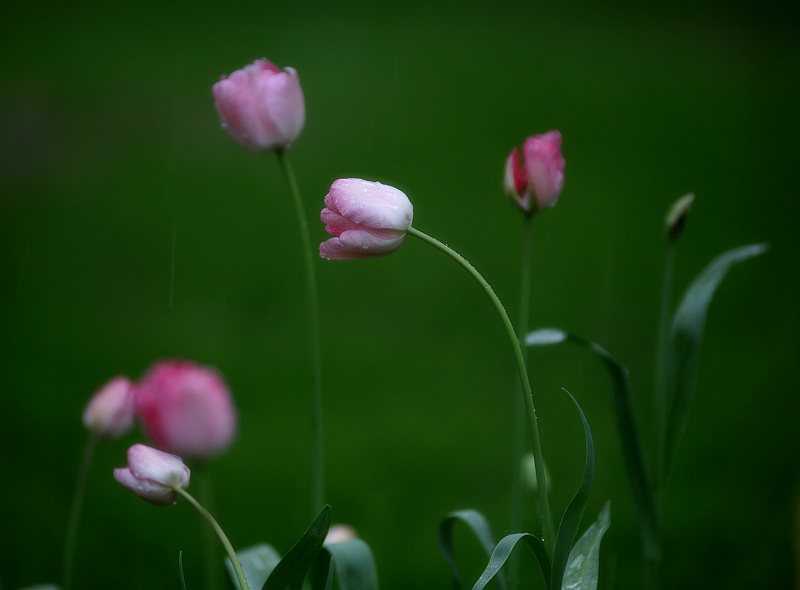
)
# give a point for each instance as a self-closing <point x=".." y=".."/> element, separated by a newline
<point x="110" y="412"/>
<point x="367" y="219"/>
<point x="186" y="409"/>
<point x="261" y="105"/>
<point x="152" y="474"/>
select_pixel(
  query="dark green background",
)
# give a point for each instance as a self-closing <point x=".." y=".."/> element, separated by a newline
<point x="113" y="165"/>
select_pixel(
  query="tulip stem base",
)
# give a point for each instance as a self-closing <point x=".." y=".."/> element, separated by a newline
<point x="75" y="512"/>
<point x="317" y="439"/>
<point x="237" y="566"/>
<point x="544" y="504"/>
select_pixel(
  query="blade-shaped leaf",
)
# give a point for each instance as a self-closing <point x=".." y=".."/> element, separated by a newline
<point x="571" y="520"/>
<point x="685" y="336"/>
<point x="479" y="526"/>
<point x="257" y="562"/>
<point x="355" y="565"/>
<point x="584" y="561"/>
<point x="290" y="573"/>
<point x="321" y="574"/>
<point x="632" y="448"/>
<point x="504" y="549"/>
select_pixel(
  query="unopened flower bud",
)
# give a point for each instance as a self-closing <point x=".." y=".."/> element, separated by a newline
<point x="677" y="215"/>
<point x="109" y="414"/>
<point x="261" y="106"/>
<point x="529" y="473"/>
<point x="152" y="474"/>
<point x="186" y="409"/>
<point x="367" y="219"/>
<point x="537" y="185"/>
<point x="339" y="533"/>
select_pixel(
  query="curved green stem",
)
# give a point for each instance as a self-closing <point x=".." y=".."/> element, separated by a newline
<point x="660" y="385"/>
<point x="544" y="505"/>
<point x="317" y="442"/>
<point x="75" y="512"/>
<point x="517" y="483"/>
<point x="237" y="567"/>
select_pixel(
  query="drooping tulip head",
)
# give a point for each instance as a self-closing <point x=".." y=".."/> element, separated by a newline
<point x="151" y="474"/>
<point x="367" y="219"/>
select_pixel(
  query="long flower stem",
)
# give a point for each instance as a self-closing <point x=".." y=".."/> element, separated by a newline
<point x="317" y="441"/>
<point x="544" y="504"/>
<point x="517" y="484"/>
<point x="237" y="567"/>
<point x="660" y="385"/>
<point x="75" y="512"/>
<point x="201" y="476"/>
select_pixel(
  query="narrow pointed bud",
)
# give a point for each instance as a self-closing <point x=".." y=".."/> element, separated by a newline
<point x="536" y="184"/>
<point x="678" y="213"/>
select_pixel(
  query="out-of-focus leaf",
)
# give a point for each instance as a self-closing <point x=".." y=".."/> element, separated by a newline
<point x="632" y="448"/>
<point x="291" y="571"/>
<point x="42" y="587"/>
<point x="584" y="561"/>
<point x="354" y="564"/>
<point x="571" y="520"/>
<point x="479" y="526"/>
<point x="257" y="562"/>
<point x="504" y="548"/>
<point x="683" y="350"/>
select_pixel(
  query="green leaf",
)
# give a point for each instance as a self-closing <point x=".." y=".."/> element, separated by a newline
<point x="632" y="448"/>
<point x="42" y="587"/>
<point x="291" y="571"/>
<point x="479" y="526"/>
<point x="257" y="562"/>
<point x="684" y="344"/>
<point x="571" y="520"/>
<point x="355" y="565"/>
<point x="584" y="561"/>
<point x="504" y="549"/>
<point x="321" y="574"/>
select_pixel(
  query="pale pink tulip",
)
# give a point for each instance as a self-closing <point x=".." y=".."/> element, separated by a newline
<point x="261" y="105"/>
<point x="152" y="474"/>
<point x="367" y="219"/>
<point x="186" y="409"/>
<point x="537" y="185"/>
<point x="110" y="412"/>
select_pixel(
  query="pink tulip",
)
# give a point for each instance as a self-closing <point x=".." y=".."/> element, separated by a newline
<point x="536" y="186"/>
<point x="367" y="219"/>
<point x="186" y="409"/>
<point x="109" y="414"/>
<point x="152" y="474"/>
<point x="261" y="106"/>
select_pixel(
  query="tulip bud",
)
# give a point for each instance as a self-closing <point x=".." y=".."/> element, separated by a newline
<point x="536" y="186"/>
<point x="261" y="105"/>
<point x="368" y="219"/>
<point x="339" y="533"/>
<point x="152" y="474"/>
<point x="529" y="473"/>
<point x="109" y="414"/>
<point x="677" y="215"/>
<point x="186" y="409"/>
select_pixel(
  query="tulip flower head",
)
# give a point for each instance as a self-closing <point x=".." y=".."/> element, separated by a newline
<point x="367" y="219"/>
<point x="151" y="474"/>
<point x="261" y="106"/>
<point x="110" y="412"/>
<point x="186" y="409"/>
<point x="537" y="185"/>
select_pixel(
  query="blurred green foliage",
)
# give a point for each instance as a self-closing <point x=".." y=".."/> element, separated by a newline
<point x="132" y="229"/>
